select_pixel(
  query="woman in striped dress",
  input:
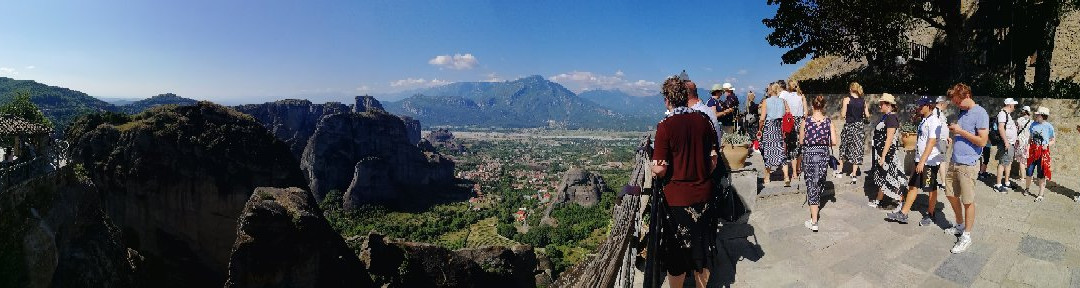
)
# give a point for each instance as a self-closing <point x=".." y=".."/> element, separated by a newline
<point x="888" y="161"/>
<point x="817" y="137"/>
<point x="772" y="138"/>
<point x="853" y="137"/>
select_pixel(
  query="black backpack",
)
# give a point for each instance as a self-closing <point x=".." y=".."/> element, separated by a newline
<point x="995" y="135"/>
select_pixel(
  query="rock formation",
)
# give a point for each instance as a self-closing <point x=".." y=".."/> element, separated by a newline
<point x="292" y="121"/>
<point x="283" y="241"/>
<point x="580" y="186"/>
<point x="367" y="104"/>
<point x="406" y="264"/>
<point x="445" y="139"/>
<point x="175" y="179"/>
<point x="55" y="234"/>
<point x="347" y="150"/>
<point x="412" y="129"/>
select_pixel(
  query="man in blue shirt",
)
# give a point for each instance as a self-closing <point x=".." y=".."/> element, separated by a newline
<point x="970" y="132"/>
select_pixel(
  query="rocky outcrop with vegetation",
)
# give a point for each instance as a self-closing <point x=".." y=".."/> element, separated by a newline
<point x="175" y="179"/>
<point x="283" y="241"/>
<point x="56" y="234"/>
<point x="292" y="121"/>
<point x="581" y="187"/>
<point x="445" y="139"/>
<point x="369" y="156"/>
<point x="407" y="264"/>
<point x="161" y="99"/>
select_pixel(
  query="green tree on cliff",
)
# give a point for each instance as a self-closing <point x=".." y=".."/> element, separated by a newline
<point x="20" y="106"/>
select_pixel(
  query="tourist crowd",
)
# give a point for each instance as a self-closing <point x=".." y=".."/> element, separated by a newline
<point x="797" y="138"/>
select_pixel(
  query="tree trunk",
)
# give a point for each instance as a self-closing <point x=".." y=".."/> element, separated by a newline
<point x="1019" y="71"/>
<point x="1045" y="52"/>
<point x="956" y="39"/>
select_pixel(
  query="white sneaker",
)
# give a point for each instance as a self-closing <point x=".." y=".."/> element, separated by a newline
<point x="1039" y="199"/>
<point x="873" y="203"/>
<point x="955" y="230"/>
<point x="810" y="225"/>
<point x="838" y="175"/>
<point x="962" y="244"/>
<point x="1077" y="198"/>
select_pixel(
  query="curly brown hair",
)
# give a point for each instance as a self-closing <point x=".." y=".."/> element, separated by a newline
<point x="675" y="92"/>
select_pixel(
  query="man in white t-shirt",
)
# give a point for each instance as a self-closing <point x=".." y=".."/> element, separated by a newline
<point x="925" y="176"/>
<point x="1006" y="126"/>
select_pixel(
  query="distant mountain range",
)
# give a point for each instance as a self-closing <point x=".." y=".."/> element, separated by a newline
<point x="161" y="99"/>
<point x="523" y="103"/>
<point x="620" y="102"/>
<point x="527" y="102"/>
<point x="63" y="105"/>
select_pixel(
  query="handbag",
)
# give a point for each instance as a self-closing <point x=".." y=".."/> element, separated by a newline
<point x="833" y="162"/>
<point x="787" y="124"/>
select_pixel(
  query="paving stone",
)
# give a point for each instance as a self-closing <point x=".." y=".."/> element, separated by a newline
<point x="893" y="274"/>
<point x="965" y="267"/>
<point x="984" y="283"/>
<point x="1009" y="284"/>
<point x="1041" y="249"/>
<point x="928" y="254"/>
<point x="1075" y="282"/>
<point x="999" y="265"/>
<point x="857" y="248"/>
<point x="1039" y="273"/>
<point x="934" y="281"/>
<point x="857" y="282"/>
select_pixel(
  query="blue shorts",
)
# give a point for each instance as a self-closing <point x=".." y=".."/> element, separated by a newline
<point x="1036" y="167"/>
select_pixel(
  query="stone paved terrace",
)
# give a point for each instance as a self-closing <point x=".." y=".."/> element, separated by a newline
<point x="1017" y="243"/>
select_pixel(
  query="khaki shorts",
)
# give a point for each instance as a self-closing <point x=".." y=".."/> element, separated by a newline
<point x="960" y="182"/>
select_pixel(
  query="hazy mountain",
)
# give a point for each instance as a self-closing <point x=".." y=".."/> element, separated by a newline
<point x="161" y="99"/>
<point x="61" y="105"/>
<point x="626" y="104"/>
<point x="527" y="102"/>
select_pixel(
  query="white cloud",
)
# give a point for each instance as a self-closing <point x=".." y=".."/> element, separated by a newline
<point x="579" y="81"/>
<point x="418" y="82"/>
<point x="742" y="72"/>
<point x="8" y="71"/>
<point x="456" y="62"/>
<point x="731" y="80"/>
<point x="363" y="88"/>
<point x="492" y="77"/>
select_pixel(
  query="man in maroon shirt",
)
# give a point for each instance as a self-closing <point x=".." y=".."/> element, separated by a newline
<point x="685" y="153"/>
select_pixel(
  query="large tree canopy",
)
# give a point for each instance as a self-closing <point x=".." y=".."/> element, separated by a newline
<point x="875" y="31"/>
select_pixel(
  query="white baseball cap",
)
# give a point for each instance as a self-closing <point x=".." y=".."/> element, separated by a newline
<point x="727" y="86"/>
<point x="1010" y="101"/>
<point x="1027" y="109"/>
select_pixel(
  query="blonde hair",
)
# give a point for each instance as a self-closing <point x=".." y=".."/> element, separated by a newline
<point x="750" y="95"/>
<point x="774" y="89"/>
<point x="793" y="85"/>
<point x="855" y="88"/>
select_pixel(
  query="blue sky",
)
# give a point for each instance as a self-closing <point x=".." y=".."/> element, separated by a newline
<point x="255" y="51"/>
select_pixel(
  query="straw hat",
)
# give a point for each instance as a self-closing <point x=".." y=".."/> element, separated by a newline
<point x="888" y="98"/>
<point x="716" y="87"/>
<point x="1043" y="110"/>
